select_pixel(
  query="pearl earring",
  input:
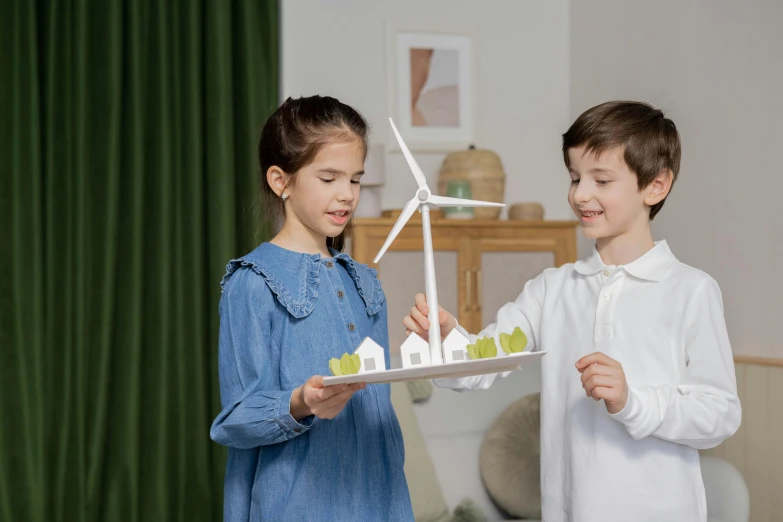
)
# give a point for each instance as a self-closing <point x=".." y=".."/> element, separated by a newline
<point x="284" y="197"/>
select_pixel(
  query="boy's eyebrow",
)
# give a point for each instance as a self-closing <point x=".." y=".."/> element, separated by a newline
<point x="594" y="170"/>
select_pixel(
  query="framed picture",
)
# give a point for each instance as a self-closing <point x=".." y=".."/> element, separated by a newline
<point x="431" y="90"/>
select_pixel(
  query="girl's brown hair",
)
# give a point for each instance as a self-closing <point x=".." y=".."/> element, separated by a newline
<point x="292" y="137"/>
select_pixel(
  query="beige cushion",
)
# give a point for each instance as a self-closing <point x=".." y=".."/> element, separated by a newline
<point x="426" y="494"/>
<point x="510" y="459"/>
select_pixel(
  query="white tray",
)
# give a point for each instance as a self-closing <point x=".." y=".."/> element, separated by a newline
<point x="506" y="363"/>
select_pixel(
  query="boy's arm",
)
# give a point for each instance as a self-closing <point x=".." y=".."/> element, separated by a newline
<point x="525" y="313"/>
<point x="704" y="409"/>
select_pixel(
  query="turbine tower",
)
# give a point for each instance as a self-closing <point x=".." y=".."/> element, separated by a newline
<point x="423" y="200"/>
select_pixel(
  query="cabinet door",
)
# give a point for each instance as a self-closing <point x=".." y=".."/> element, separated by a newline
<point x="500" y="268"/>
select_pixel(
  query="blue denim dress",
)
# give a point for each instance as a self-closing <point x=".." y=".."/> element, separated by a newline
<point x="283" y="315"/>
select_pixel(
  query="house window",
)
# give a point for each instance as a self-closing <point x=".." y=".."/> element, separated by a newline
<point x="457" y="355"/>
<point x="369" y="365"/>
<point x="415" y="359"/>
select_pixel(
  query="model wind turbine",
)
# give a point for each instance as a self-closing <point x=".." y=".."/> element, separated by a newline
<point x="423" y="200"/>
<point x="449" y="357"/>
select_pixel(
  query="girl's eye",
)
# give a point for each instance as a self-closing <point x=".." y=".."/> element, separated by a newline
<point x="326" y="180"/>
<point x="355" y="182"/>
<point x="575" y="182"/>
<point x="602" y="182"/>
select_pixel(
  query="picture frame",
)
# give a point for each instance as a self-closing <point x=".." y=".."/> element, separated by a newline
<point x="431" y="89"/>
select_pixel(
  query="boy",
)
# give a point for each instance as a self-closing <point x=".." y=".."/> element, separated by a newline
<point x="631" y="328"/>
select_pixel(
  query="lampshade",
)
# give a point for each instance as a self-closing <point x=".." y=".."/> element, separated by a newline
<point x="374" y="166"/>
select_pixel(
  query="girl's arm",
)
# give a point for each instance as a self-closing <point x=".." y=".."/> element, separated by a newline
<point x="704" y="409"/>
<point x="255" y="411"/>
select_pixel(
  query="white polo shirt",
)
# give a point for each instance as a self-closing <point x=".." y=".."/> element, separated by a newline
<point x="663" y="321"/>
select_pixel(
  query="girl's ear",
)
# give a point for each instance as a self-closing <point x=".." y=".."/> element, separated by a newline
<point x="659" y="188"/>
<point x="277" y="179"/>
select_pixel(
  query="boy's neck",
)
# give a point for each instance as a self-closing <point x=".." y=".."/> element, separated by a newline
<point x="625" y="248"/>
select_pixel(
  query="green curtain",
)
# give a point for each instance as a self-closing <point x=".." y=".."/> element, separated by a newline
<point x="128" y="134"/>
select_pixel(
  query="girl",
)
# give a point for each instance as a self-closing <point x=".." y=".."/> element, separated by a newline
<point x="299" y="451"/>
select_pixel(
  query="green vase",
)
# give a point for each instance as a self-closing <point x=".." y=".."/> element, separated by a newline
<point x="458" y="189"/>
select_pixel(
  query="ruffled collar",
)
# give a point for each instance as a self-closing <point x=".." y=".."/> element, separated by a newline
<point x="293" y="277"/>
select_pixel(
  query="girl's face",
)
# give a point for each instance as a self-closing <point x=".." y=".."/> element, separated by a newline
<point x="325" y="193"/>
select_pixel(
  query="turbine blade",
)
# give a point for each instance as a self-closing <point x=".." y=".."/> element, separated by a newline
<point x="407" y="212"/>
<point x="443" y="201"/>
<point x="417" y="173"/>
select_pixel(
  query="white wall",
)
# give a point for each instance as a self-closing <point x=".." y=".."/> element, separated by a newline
<point x="716" y="67"/>
<point x="338" y="47"/>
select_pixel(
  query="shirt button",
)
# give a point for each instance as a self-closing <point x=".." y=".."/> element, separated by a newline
<point x="297" y="430"/>
<point x="340" y="294"/>
<point x="351" y="327"/>
<point x="607" y="273"/>
<point x="329" y="264"/>
<point x="607" y="297"/>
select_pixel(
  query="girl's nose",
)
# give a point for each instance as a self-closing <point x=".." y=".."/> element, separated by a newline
<point x="346" y="192"/>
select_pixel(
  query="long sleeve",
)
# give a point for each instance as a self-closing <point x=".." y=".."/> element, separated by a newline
<point x="703" y="409"/>
<point x="524" y="312"/>
<point x="255" y="411"/>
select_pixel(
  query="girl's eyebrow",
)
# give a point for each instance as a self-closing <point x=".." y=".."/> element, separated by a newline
<point x="337" y="171"/>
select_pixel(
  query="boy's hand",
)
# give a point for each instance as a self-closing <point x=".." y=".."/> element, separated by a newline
<point x="603" y="378"/>
<point x="418" y="322"/>
<point x="312" y="398"/>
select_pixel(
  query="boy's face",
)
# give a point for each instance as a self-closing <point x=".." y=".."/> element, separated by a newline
<point x="605" y="195"/>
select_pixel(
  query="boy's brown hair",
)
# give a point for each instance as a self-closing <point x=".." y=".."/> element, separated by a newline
<point x="650" y="141"/>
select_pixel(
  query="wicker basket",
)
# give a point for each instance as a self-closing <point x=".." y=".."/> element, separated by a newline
<point x="526" y="212"/>
<point x="483" y="170"/>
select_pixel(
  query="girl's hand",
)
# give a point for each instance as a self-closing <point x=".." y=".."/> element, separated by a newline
<point x="604" y="378"/>
<point x="312" y="398"/>
<point x="417" y="320"/>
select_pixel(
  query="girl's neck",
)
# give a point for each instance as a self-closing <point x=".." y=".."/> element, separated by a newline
<point x="301" y="239"/>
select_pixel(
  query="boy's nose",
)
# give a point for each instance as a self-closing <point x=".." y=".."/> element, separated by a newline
<point x="582" y="194"/>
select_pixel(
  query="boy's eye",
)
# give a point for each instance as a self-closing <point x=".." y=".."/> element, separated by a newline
<point x="575" y="182"/>
<point x="602" y="182"/>
<point x="325" y="180"/>
<point x="355" y="182"/>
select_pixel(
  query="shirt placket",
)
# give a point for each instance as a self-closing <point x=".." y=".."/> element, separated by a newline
<point x="612" y="282"/>
<point x="346" y="312"/>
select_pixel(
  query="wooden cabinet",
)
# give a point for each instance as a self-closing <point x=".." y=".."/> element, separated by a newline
<point x="479" y="264"/>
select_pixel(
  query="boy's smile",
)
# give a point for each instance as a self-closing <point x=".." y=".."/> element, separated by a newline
<point x="589" y="216"/>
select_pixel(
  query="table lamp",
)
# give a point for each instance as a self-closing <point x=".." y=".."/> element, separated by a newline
<point x="374" y="177"/>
